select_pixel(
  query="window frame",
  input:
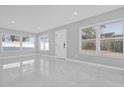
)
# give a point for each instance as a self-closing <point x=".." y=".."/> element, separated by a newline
<point x="43" y="35"/>
<point x="98" y="38"/>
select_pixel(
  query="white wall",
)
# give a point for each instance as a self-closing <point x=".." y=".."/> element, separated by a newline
<point x="73" y="39"/>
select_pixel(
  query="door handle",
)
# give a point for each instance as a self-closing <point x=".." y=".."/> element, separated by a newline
<point x="64" y="45"/>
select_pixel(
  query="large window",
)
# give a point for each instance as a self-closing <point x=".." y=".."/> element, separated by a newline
<point x="28" y="43"/>
<point x="10" y="42"/>
<point x="111" y="38"/>
<point x="88" y="40"/>
<point x="41" y="43"/>
<point x="44" y="42"/>
<point x="107" y="38"/>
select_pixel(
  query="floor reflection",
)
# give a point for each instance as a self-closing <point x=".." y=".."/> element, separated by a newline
<point x="10" y="66"/>
<point x="44" y="67"/>
<point x="28" y="66"/>
<point x="10" y="72"/>
<point x="46" y="71"/>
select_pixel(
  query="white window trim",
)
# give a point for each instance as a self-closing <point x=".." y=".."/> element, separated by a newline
<point x="98" y="32"/>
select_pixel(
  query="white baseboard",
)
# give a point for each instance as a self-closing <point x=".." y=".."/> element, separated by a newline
<point x="89" y="63"/>
<point x="23" y="55"/>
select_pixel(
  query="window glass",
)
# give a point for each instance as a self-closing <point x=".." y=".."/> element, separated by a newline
<point x="88" y="40"/>
<point x="111" y="46"/>
<point x="111" y="38"/>
<point x="28" y="42"/>
<point x="89" y="45"/>
<point x="44" y="42"/>
<point x="112" y="30"/>
<point x="89" y="33"/>
<point x="10" y="42"/>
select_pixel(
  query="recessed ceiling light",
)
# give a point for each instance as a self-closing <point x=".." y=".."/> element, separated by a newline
<point x="75" y="13"/>
<point x="38" y="28"/>
<point x="12" y="21"/>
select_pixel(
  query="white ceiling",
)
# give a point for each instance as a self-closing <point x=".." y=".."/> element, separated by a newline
<point x="41" y="18"/>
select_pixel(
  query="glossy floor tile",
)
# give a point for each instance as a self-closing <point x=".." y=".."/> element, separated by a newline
<point x="43" y="71"/>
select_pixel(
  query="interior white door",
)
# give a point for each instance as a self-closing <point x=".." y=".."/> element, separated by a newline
<point x="60" y="43"/>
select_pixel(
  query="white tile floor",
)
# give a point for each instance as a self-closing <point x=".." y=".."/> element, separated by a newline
<point x="49" y="72"/>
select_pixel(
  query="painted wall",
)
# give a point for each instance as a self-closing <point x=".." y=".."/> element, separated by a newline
<point x="73" y="39"/>
<point x="19" y="52"/>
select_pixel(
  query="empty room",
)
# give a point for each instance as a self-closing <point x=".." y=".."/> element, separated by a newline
<point x="61" y="45"/>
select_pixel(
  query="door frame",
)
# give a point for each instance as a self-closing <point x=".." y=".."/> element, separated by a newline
<point x="65" y="42"/>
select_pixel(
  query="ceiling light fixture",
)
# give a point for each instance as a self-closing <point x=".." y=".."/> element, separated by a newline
<point x="75" y="13"/>
<point x="12" y="21"/>
<point x="38" y="28"/>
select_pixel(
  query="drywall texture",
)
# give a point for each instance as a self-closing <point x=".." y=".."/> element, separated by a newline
<point x="19" y="52"/>
<point x="73" y="38"/>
